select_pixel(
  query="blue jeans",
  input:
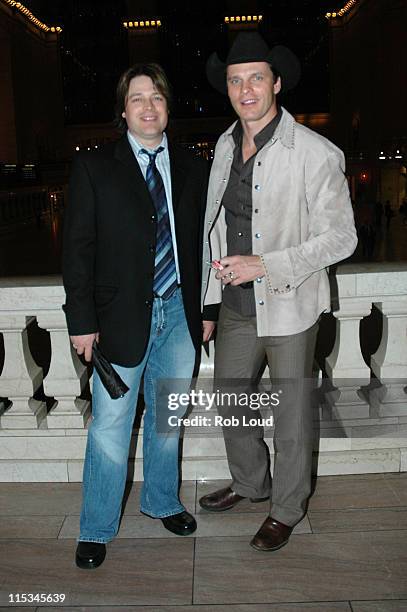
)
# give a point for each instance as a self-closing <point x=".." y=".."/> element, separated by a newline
<point x="170" y="354"/>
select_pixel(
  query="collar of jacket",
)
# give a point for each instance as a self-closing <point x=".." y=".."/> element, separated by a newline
<point x="285" y="131"/>
<point x="178" y="166"/>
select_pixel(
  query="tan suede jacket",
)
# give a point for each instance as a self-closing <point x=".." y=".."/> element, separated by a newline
<point x="302" y="223"/>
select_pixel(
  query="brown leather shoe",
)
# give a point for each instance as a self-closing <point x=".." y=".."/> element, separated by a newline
<point x="272" y="535"/>
<point x="224" y="499"/>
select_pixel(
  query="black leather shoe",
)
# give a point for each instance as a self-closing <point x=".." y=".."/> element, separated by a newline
<point x="272" y="535"/>
<point x="182" y="523"/>
<point x="224" y="499"/>
<point x="90" y="555"/>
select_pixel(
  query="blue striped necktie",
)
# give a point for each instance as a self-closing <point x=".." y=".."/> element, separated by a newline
<point x="165" y="275"/>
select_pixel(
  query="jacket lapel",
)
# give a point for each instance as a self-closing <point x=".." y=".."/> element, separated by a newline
<point x="178" y="174"/>
<point x="124" y="154"/>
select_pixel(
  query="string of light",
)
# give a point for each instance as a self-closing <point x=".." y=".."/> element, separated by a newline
<point x="243" y="18"/>
<point x="143" y="23"/>
<point x="342" y="11"/>
<point x="31" y="17"/>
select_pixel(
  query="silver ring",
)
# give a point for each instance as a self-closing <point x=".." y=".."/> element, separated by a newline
<point x="231" y="275"/>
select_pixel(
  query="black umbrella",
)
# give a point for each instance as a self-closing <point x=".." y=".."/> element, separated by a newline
<point x="112" y="382"/>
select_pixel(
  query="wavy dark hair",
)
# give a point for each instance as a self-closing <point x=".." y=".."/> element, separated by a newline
<point x="159" y="79"/>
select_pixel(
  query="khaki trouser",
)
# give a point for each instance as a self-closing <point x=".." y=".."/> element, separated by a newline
<point x="239" y="354"/>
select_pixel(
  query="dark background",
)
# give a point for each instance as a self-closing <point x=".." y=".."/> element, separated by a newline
<point x="94" y="50"/>
<point x="57" y="97"/>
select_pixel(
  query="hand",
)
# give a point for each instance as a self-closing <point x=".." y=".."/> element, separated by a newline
<point x="240" y="269"/>
<point x="83" y="344"/>
<point x="208" y="328"/>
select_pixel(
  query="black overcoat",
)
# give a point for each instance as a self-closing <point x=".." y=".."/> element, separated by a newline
<point x="109" y="247"/>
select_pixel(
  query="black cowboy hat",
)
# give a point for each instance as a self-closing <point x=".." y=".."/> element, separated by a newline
<point x="251" y="47"/>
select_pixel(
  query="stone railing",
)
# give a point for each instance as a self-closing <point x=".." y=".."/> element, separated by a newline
<point x="358" y="288"/>
<point x="362" y="403"/>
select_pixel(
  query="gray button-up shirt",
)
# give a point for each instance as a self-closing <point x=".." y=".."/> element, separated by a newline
<point x="237" y="201"/>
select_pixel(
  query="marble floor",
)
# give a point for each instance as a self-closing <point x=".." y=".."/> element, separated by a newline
<point x="348" y="554"/>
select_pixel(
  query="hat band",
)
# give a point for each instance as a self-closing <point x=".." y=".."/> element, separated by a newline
<point x="247" y="59"/>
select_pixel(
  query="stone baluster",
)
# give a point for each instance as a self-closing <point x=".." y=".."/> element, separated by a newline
<point x="207" y="366"/>
<point x="21" y="376"/>
<point x="389" y="363"/>
<point x="345" y="365"/>
<point x="66" y="378"/>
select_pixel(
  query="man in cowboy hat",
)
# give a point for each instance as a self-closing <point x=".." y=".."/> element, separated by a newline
<point x="278" y="213"/>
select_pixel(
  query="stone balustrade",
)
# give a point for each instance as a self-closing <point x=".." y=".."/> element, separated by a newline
<point x="361" y="411"/>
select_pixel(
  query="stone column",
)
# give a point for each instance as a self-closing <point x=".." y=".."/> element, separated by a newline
<point x="21" y="376"/>
<point x="66" y="378"/>
<point x="345" y="365"/>
<point x="389" y="363"/>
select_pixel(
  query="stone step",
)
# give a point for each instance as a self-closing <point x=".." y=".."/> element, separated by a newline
<point x="326" y="462"/>
<point x="197" y="445"/>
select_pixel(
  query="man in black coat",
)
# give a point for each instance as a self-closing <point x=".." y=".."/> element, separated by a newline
<point x="131" y="269"/>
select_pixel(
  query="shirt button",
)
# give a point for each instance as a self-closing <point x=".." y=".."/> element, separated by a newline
<point x="256" y="210"/>
<point x="258" y="235"/>
<point x="259" y="163"/>
<point x="257" y="187"/>
<point x="258" y="280"/>
<point x="152" y="217"/>
<point x="223" y="180"/>
<point x="261" y="302"/>
<point x="287" y="286"/>
<point x="217" y="201"/>
<point x="151" y="248"/>
<point x="240" y="234"/>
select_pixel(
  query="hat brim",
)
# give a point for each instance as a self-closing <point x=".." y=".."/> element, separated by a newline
<point x="216" y="73"/>
<point x="281" y="58"/>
